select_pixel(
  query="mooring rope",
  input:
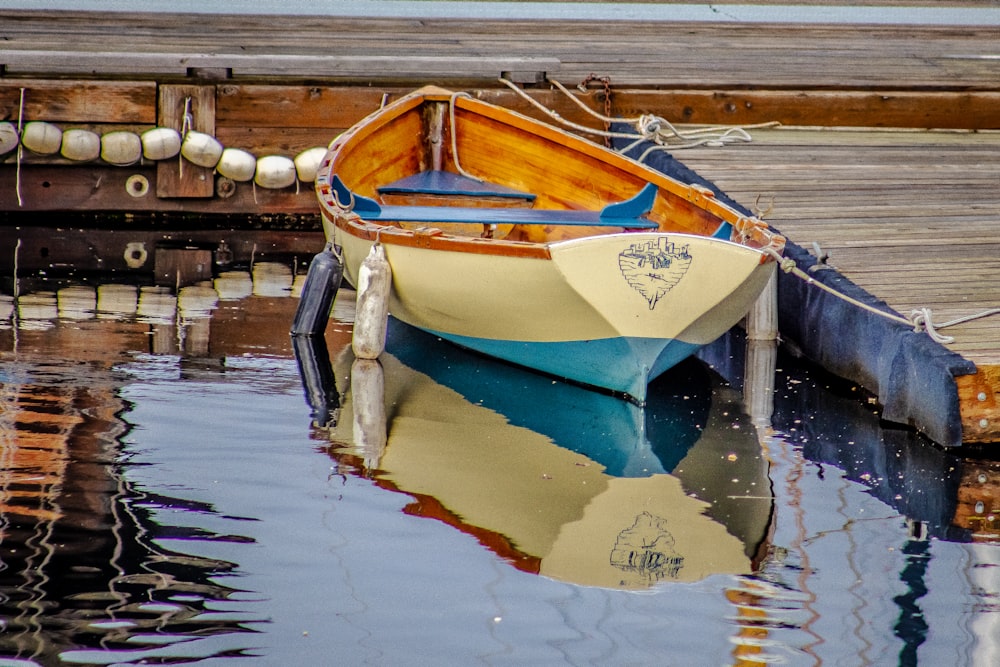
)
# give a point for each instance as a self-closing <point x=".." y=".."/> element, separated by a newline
<point x="555" y="116"/>
<point x="660" y="131"/>
<point x="920" y="319"/>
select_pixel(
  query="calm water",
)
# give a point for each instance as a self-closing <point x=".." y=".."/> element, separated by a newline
<point x="181" y="485"/>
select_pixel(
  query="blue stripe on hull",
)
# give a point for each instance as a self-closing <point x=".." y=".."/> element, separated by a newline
<point x="624" y="365"/>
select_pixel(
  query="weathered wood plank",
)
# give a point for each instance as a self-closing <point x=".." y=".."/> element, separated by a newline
<point x="288" y="106"/>
<point x="976" y="110"/>
<point x="104" y="188"/>
<point x="319" y="64"/>
<point x="79" y="101"/>
<point x="650" y="54"/>
<point x="186" y="107"/>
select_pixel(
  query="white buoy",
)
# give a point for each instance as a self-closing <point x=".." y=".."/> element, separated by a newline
<point x="80" y="145"/>
<point x="201" y="149"/>
<point x="372" y="313"/>
<point x="275" y="172"/>
<point x="368" y="400"/>
<point x="160" y="143"/>
<point x="121" y="148"/>
<point x="307" y="163"/>
<point x="8" y="137"/>
<point x="41" y="137"/>
<point x="237" y="164"/>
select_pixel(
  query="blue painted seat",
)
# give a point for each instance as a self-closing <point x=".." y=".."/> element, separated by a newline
<point x="627" y="214"/>
<point x="437" y="182"/>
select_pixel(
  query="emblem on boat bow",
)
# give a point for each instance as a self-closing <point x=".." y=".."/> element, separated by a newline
<point x="653" y="267"/>
<point x="647" y="549"/>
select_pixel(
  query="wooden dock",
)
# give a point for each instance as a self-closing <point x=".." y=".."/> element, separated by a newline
<point x="909" y="215"/>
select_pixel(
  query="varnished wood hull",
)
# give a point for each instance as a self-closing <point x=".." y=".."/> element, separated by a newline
<point x="600" y="305"/>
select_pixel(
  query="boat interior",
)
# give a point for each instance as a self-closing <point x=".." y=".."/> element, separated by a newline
<point x="469" y="169"/>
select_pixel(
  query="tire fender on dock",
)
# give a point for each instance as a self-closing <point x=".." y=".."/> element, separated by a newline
<point x="372" y="316"/>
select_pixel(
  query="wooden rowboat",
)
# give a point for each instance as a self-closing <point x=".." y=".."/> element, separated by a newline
<point x="529" y="244"/>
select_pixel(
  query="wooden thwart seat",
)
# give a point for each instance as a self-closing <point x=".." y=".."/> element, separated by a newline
<point x="446" y="183"/>
<point x="627" y="214"/>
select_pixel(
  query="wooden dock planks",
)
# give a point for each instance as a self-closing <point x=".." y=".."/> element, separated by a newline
<point x="912" y="217"/>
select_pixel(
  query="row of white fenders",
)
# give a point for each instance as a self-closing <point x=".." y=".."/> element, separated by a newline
<point x="153" y="304"/>
<point x="124" y="148"/>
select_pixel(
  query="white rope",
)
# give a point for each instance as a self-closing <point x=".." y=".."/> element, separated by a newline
<point x="454" y="136"/>
<point x="661" y="132"/>
<point x="186" y="124"/>
<point x="20" y="150"/>
<point x="920" y="319"/>
<point x="555" y="116"/>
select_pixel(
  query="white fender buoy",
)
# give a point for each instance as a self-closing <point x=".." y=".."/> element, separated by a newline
<point x="372" y="312"/>
<point x="307" y="163"/>
<point x="201" y="149"/>
<point x="41" y="137"/>
<point x="8" y="137"/>
<point x="160" y="143"/>
<point x="369" y="427"/>
<point x="121" y="148"/>
<point x="237" y="164"/>
<point x="274" y="172"/>
<point x="80" y="145"/>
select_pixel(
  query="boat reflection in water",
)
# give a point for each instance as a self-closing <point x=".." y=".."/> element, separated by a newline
<point x="559" y="480"/>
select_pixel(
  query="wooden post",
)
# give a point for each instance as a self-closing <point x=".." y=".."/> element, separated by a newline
<point x="762" y="319"/>
<point x="178" y="177"/>
<point x="758" y="381"/>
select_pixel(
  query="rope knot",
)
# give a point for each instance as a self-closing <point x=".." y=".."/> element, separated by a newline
<point x="649" y="127"/>
<point x="922" y="321"/>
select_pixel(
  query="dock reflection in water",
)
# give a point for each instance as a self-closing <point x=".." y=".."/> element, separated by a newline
<point x="85" y="565"/>
<point x="559" y="480"/>
<point x="169" y="497"/>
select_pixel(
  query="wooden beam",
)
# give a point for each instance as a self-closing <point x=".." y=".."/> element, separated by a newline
<point x="103" y="188"/>
<point x="298" y="106"/>
<point x="79" y="101"/>
<point x="131" y="249"/>
<point x="979" y="398"/>
<point x="313" y="65"/>
<point x="180" y="177"/>
<point x="972" y="110"/>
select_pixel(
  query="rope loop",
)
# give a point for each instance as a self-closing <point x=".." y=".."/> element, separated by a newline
<point x="346" y="208"/>
<point x="649" y="127"/>
<point x="922" y="321"/>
